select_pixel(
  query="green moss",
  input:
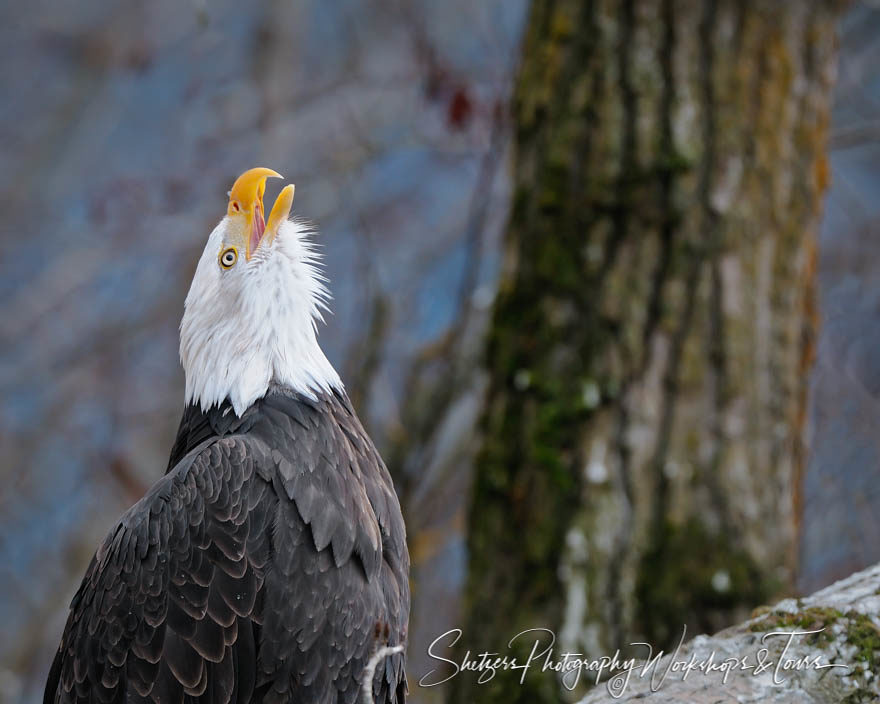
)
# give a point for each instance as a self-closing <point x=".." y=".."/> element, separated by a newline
<point x="692" y="576"/>
<point x="864" y="634"/>
<point x="861" y="631"/>
<point x="563" y="25"/>
<point x="674" y="162"/>
<point x="809" y="619"/>
<point x="762" y="610"/>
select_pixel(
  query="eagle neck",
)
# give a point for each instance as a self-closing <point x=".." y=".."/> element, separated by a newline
<point x="242" y="333"/>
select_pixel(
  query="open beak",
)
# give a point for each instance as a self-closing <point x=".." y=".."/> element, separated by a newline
<point x="246" y="200"/>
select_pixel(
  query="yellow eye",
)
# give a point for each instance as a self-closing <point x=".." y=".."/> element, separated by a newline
<point x="228" y="257"/>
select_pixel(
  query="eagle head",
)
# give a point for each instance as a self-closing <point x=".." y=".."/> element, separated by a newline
<point x="250" y="317"/>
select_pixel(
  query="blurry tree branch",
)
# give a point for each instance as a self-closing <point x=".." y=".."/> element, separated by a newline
<point x="435" y="378"/>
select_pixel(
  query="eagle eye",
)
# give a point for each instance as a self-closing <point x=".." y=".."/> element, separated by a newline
<point x="228" y="257"/>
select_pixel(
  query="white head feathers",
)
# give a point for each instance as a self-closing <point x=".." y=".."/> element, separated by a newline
<point x="254" y="323"/>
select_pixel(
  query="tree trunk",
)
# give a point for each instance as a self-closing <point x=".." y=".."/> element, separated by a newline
<point x="651" y="338"/>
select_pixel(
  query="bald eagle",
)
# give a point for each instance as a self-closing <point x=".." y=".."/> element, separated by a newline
<point x="269" y="564"/>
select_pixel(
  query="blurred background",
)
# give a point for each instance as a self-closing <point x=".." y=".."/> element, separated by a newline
<point x="123" y="126"/>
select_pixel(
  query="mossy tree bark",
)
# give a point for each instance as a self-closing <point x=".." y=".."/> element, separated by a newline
<point x="653" y="328"/>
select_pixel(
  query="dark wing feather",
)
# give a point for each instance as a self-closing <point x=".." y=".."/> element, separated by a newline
<point x="287" y="511"/>
<point x="340" y="572"/>
<point x="168" y="606"/>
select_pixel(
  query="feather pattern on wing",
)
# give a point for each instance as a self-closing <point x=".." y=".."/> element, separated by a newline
<point x="267" y="565"/>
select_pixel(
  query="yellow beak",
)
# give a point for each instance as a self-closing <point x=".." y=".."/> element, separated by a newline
<point x="246" y="200"/>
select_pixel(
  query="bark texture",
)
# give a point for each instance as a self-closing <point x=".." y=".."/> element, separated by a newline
<point x="654" y="325"/>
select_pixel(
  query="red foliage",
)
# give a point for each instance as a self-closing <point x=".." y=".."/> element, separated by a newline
<point x="460" y="109"/>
